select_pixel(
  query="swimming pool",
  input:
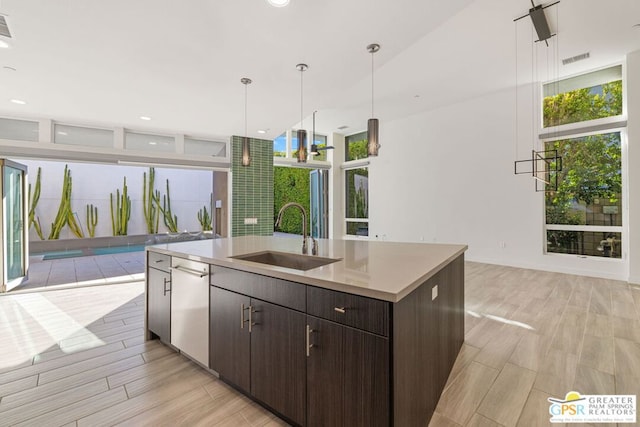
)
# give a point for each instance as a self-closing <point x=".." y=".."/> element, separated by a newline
<point x="110" y="245"/>
<point x="72" y="253"/>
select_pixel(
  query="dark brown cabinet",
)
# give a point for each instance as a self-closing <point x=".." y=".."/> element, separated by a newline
<point x="258" y="347"/>
<point x="159" y="298"/>
<point x="278" y="359"/>
<point x="347" y="376"/>
<point x="229" y="344"/>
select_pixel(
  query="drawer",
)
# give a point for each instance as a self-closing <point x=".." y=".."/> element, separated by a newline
<point x="158" y="261"/>
<point x="369" y="314"/>
<point x="270" y="289"/>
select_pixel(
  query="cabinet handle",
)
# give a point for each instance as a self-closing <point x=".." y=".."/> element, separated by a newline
<point x="340" y="309"/>
<point x="242" y="309"/>
<point x="190" y="271"/>
<point x="158" y="260"/>
<point x="164" y="286"/>
<point x="251" y="310"/>
<point x="309" y="345"/>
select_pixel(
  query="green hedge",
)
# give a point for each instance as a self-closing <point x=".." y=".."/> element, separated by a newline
<point x="290" y="185"/>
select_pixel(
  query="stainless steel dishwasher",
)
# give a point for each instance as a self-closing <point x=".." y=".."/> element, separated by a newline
<point x="190" y="308"/>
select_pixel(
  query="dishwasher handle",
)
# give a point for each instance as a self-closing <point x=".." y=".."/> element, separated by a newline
<point x="190" y="271"/>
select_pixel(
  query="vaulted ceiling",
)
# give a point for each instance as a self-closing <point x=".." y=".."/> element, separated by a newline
<point x="180" y="63"/>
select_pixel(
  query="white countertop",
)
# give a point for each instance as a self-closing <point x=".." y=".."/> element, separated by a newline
<point x="384" y="270"/>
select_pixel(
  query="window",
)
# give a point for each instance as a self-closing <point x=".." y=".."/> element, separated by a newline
<point x="355" y="146"/>
<point x="589" y="96"/>
<point x="20" y="130"/>
<point x="148" y="142"/>
<point x="584" y="213"/>
<point x="280" y="145"/>
<point x="357" y="201"/>
<point x="204" y="148"/>
<point x="76" y="135"/>
<point x="321" y="142"/>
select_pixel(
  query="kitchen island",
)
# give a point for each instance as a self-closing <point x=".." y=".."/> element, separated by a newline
<point x="365" y="333"/>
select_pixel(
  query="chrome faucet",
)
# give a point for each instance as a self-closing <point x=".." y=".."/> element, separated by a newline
<point x="305" y="228"/>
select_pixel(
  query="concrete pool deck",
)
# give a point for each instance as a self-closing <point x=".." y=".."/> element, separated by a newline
<point x="83" y="271"/>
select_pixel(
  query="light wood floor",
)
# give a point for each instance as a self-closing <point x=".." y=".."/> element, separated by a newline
<point x="77" y="357"/>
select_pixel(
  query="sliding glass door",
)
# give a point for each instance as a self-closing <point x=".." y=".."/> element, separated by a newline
<point x="319" y="180"/>
<point x="14" y="224"/>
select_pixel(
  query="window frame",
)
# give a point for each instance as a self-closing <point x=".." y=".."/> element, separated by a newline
<point x="598" y="126"/>
<point x="353" y="165"/>
<point x="622" y="229"/>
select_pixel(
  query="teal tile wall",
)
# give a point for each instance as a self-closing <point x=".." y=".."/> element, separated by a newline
<point x="252" y="188"/>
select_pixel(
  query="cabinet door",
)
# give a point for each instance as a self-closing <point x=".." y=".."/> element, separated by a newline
<point x="229" y="344"/>
<point x="366" y="379"/>
<point x="159" y="303"/>
<point x="325" y="373"/>
<point x="278" y="359"/>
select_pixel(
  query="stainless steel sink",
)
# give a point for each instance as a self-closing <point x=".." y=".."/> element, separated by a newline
<point x="287" y="260"/>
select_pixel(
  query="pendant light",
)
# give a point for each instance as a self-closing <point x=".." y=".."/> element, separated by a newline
<point x="302" y="134"/>
<point x="246" y="151"/>
<point x="372" y="125"/>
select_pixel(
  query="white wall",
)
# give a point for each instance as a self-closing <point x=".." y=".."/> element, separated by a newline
<point x="447" y="176"/>
<point x="92" y="183"/>
<point x="633" y="131"/>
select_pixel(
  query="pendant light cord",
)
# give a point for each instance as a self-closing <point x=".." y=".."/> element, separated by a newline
<point x="301" y="99"/>
<point x="372" y="93"/>
<point x="245" y="111"/>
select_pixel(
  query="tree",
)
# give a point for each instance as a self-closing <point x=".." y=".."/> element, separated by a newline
<point x="591" y="168"/>
<point x="583" y="104"/>
<point x="357" y="149"/>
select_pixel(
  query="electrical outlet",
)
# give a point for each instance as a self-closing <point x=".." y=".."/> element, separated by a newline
<point x="250" y="221"/>
<point x="434" y="292"/>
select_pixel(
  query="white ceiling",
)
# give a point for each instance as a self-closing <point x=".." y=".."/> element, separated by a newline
<point x="97" y="62"/>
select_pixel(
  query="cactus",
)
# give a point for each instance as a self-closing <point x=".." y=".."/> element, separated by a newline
<point x="92" y="220"/>
<point x="121" y="214"/>
<point x="170" y="220"/>
<point x="65" y="216"/>
<point x="204" y="217"/>
<point x="151" y="213"/>
<point x="33" y="202"/>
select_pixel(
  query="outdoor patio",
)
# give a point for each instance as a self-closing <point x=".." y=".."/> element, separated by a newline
<point x="83" y="271"/>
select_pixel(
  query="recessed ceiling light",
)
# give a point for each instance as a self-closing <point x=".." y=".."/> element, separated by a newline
<point x="18" y="101"/>
<point x="636" y="27"/>
<point x="147" y="118"/>
<point x="6" y="67"/>
<point x="262" y="131"/>
<point x="62" y="133"/>
<point x="278" y="3"/>
<point x="4" y="44"/>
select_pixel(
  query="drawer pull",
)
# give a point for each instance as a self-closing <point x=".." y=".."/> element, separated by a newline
<point x="309" y="345"/>
<point x="340" y="310"/>
<point x="158" y="260"/>
<point x="190" y="271"/>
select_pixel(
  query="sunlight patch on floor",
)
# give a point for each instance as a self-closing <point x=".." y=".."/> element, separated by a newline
<point x="57" y="320"/>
